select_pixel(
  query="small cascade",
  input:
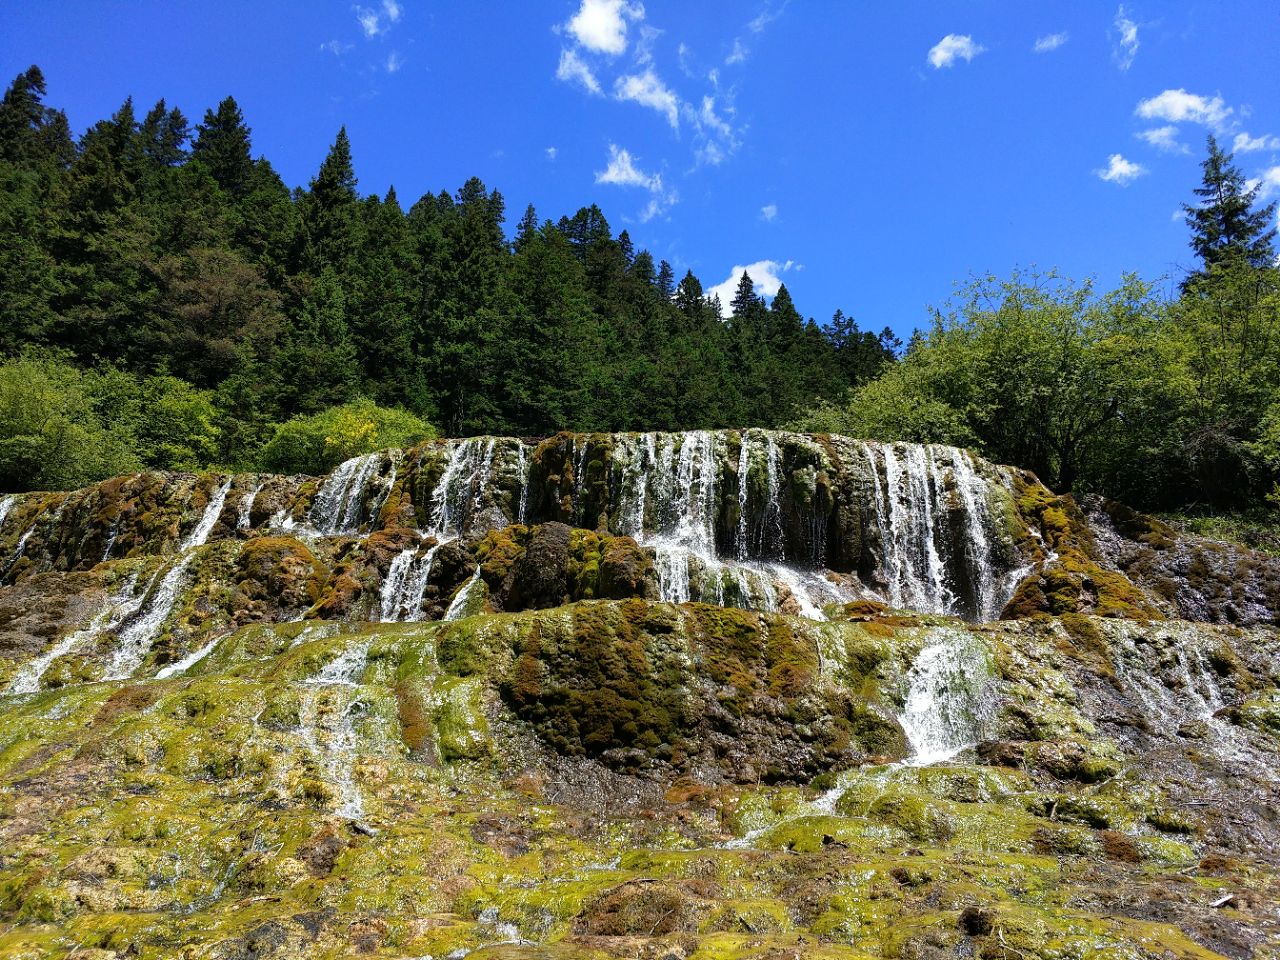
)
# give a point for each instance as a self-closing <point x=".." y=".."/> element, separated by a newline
<point x="139" y="620"/>
<point x="6" y="504"/>
<point x="112" y="534"/>
<point x="27" y="679"/>
<point x="948" y="701"/>
<point x="339" y="502"/>
<point x="406" y="585"/>
<point x="244" y="515"/>
<point x="199" y="535"/>
<point x="523" y="467"/>
<point x="189" y="661"/>
<point x="328" y="710"/>
<point x="464" y="598"/>
<point x="459" y="495"/>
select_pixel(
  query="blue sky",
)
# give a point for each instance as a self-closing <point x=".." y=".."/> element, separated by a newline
<point x="869" y="155"/>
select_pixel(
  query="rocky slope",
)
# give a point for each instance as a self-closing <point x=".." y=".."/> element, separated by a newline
<point x="713" y="695"/>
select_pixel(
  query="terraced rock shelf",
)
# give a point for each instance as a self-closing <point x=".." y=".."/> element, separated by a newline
<point x="736" y="694"/>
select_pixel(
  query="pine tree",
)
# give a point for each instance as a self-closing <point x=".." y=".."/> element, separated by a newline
<point x="222" y="148"/>
<point x="1225" y="228"/>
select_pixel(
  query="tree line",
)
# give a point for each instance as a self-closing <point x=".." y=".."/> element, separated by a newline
<point x="168" y="254"/>
<point x="167" y="301"/>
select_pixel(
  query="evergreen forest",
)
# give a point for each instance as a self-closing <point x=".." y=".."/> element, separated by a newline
<point x="168" y="302"/>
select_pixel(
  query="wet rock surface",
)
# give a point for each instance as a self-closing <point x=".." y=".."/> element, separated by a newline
<point x="471" y="700"/>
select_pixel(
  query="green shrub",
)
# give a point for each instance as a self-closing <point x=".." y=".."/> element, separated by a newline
<point x="316" y="444"/>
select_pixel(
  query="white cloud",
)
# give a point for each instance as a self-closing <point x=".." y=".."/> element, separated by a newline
<point x="1247" y="144"/>
<point x="1126" y="39"/>
<point x="738" y="54"/>
<point x="336" y="47"/>
<point x="392" y="9"/>
<point x="394" y="62"/>
<point x="574" y="68"/>
<point x="953" y="46"/>
<point x="716" y="137"/>
<point x="1179" y="106"/>
<point x="623" y="172"/>
<point x="769" y="211"/>
<point x="1053" y="41"/>
<point x="644" y="45"/>
<point x="1268" y="184"/>
<point x="1121" y="171"/>
<point x="764" y="18"/>
<point x="764" y="276"/>
<point x="552" y="153"/>
<point x="601" y="25"/>
<point x="1164" y="138"/>
<point x="370" y="22"/>
<point x="647" y="89"/>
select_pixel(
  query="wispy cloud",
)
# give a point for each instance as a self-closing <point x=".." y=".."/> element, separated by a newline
<point x="647" y="89"/>
<point x="394" y="62"/>
<point x="336" y="47"/>
<point x="1120" y="171"/>
<point x="765" y="277"/>
<point x="376" y="22"/>
<point x="623" y="171"/>
<point x="1125" y="39"/>
<point x="573" y="69"/>
<point x="1164" y="138"/>
<point x="769" y="212"/>
<point x="1247" y="144"/>
<point x="1048" y="44"/>
<point x="953" y="47"/>
<point x="1179" y="106"/>
<point x="601" y="25"/>
<point x="1268" y="184"/>
<point x="552" y="153"/>
<point x="738" y="54"/>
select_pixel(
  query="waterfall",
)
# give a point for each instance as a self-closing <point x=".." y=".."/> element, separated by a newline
<point x="406" y="584"/>
<point x="138" y="621"/>
<point x="744" y="469"/>
<point x="200" y="533"/>
<point x="339" y="501"/>
<point x="337" y="687"/>
<point x="949" y="700"/>
<point x="459" y="494"/>
<point x="462" y="600"/>
<point x="27" y="679"/>
<point x="189" y="661"/>
<point x="523" y="468"/>
<point x="244" y="516"/>
<point x="6" y="504"/>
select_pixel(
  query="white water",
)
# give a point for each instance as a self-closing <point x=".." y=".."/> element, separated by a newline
<point x="139" y="620"/>
<point x="330" y="733"/>
<point x="462" y="600"/>
<point x="244" y="516"/>
<point x="27" y="679"/>
<point x="6" y="505"/>
<point x="199" y="535"/>
<point x="406" y="584"/>
<point x="949" y="701"/>
<point x="189" y="661"/>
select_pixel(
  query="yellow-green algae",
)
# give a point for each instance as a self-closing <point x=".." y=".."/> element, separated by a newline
<point x="194" y="817"/>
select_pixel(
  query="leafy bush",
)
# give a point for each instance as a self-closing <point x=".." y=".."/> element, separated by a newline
<point x="172" y="424"/>
<point x="51" y="435"/>
<point x="317" y="443"/>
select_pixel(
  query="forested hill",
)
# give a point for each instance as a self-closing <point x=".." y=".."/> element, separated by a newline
<point x="159" y="247"/>
<point x="167" y="302"/>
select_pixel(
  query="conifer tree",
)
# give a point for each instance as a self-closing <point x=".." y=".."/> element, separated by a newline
<point x="222" y="148"/>
<point x="1225" y="228"/>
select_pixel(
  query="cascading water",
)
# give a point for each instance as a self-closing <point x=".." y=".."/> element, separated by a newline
<point x="465" y="598"/>
<point x="406" y="584"/>
<point x="339" y="502"/>
<point x="948" y="702"/>
<point x="244" y="516"/>
<point x="328" y="708"/>
<point x="6" y="504"/>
